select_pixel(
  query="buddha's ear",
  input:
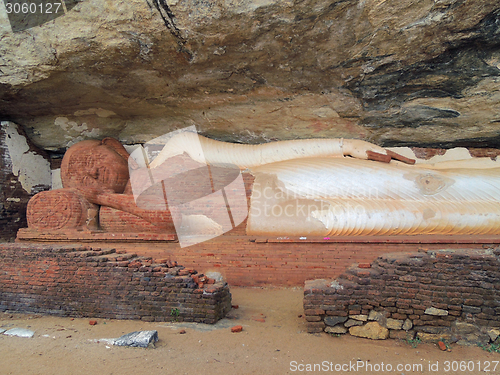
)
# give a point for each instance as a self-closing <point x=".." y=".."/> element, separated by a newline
<point x="117" y="146"/>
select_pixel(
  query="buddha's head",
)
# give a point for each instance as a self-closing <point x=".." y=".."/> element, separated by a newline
<point x="96" y="164"/>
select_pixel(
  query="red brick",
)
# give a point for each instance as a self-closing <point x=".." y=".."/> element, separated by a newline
<point x="312" y="312"/>
<point x="236" y="329"/>
<point x="442" y="346"/>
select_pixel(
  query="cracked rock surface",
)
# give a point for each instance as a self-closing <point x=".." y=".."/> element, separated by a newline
<point x="395" y="72"/>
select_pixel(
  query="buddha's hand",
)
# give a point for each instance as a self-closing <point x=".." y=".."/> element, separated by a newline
<point x="368" y="151"/>
<point x="91" y="194"/>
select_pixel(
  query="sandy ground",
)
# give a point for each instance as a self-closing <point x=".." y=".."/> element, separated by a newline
<point x="273" y="341"/>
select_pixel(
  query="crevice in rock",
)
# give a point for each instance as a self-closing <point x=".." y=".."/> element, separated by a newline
<point x="478" y="142"/>
<point x="169" y="19"/>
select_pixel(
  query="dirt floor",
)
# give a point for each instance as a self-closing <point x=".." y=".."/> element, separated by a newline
<point x="273" y="341"/>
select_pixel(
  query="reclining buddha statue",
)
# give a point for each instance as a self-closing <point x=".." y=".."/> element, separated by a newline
<point x="341" y="187"/>
<point x="314" y="187"/>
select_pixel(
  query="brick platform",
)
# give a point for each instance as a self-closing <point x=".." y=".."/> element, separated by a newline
<point x="247" y="263"/>
<point x="79" y="281"/>
<point x="251" y="261"/>
<point x="26" y="234"/>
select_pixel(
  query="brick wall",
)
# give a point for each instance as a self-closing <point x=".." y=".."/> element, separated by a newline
<point x="444" y="295"/>
<point x="250" y="261"/>
<point x="78" y="281"/>
<point x="247" y="261"/>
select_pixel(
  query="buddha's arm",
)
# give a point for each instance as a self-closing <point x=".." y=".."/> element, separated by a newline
<point x="247" y="156"/>
<point x="122" y="202"/>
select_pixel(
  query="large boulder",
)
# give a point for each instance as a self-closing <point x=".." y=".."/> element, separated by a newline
<point x="393" y="72"/>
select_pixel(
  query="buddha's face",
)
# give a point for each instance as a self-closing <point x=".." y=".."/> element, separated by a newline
<point x="95" y="165"/>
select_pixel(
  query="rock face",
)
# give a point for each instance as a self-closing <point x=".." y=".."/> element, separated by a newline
<point x="393" y="72"/>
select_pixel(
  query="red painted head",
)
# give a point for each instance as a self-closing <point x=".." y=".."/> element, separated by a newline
<point x="102" y="165"/>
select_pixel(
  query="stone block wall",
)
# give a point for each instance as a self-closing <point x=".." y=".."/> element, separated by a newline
<point x="444" y="295"/>
<point x="83" y="281"/>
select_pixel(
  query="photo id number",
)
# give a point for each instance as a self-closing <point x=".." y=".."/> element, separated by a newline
<point x="32" y="8"/>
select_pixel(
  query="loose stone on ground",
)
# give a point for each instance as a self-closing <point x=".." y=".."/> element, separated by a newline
<point x="19" y="332"/>
<point x="141" y="339"/>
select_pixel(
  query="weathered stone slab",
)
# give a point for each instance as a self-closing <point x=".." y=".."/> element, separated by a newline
<point x="19" y="332"/>
<point x="334" y="320"/>
<point x="336" y="330"/>
<point x="474" y="339"/>
<point x="408" y="324"/>
<point x="494" y="333"/>
<point x="361" y="318"/>
<point x="371" y="330"/>
<point x="394" y="323"/>
<point x="436" y="312"/>
<point x="463" y="328"/>
<point x="352" y="323"/>
<point x="140" y="339"/>
<point x="408" y="278"/>
<point x="378" y="316"/>
<point x="470" y="334"/>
